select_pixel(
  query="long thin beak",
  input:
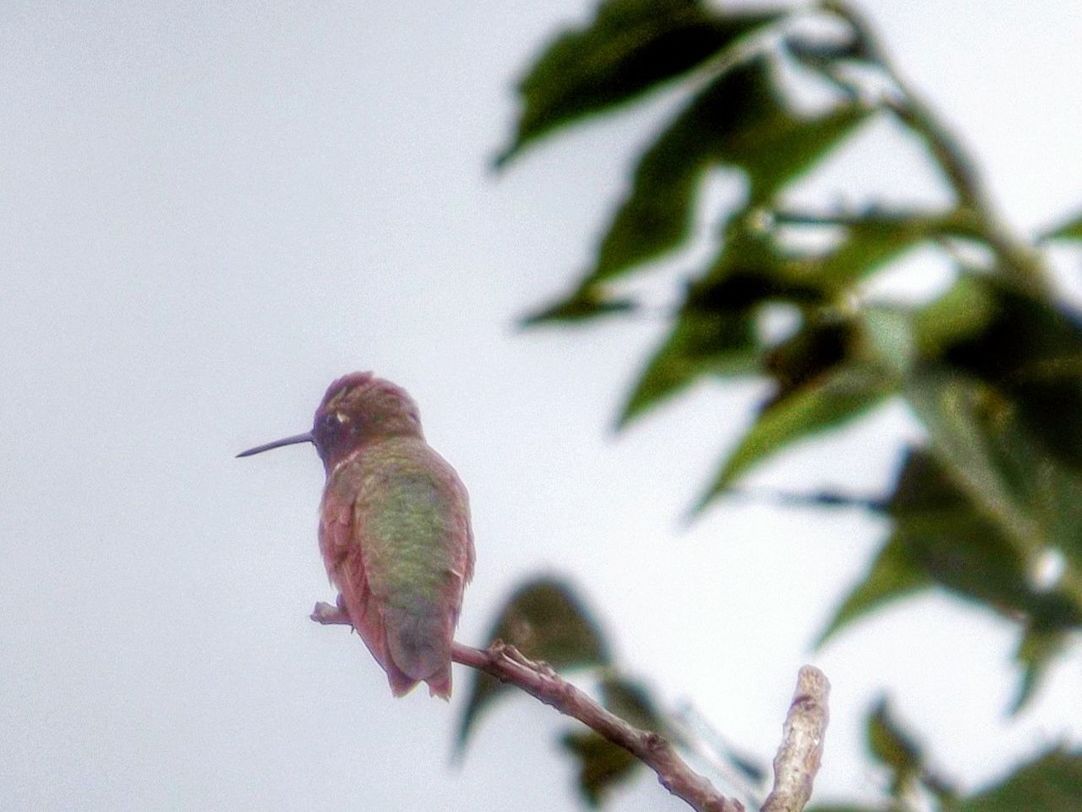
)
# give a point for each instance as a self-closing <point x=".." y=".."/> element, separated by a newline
<point x="296" y="438"/>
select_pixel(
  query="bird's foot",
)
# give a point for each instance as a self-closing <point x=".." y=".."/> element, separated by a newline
<point x="329" y="615"/>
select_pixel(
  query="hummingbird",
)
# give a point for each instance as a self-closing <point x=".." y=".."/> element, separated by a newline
<point x="394" y="530"/>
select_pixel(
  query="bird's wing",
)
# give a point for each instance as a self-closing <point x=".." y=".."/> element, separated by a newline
<point x="418" y="553"/>
<point x="340" y="541"/>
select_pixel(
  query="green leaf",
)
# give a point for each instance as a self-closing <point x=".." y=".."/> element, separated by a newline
<point x="582" y="305"/>
<point x="1049" y="783"/>
<point x="715" y="331"/>
<point x="958" y="316"/>
<point x="545" y="620"/>
<point x="1036" y="652"/>
<point x="1030" y="350"/>
<point x="992" y="454"/>
<point x="939" y="537"/>
<point x="1068" y="230"/>
<point x="739" y="120"/>
<point x="630" y="47"/>
<point x="947" y="540"/>
<point x="876" y="240"/>
<point x="966" y="422"/>
<point x="699" y="344"/>
<point x="894" y="574"/>
<point x="895" y="748"/>
<point x="830" y="401"/>
<point x="811" y="352"/>
<point x="602" y="764"/>
<point x="1022" y="506"/>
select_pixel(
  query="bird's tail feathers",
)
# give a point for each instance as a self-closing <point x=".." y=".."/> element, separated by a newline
<point x="420" y="646"/>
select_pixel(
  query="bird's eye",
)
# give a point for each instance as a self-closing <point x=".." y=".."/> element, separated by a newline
<point x="332" y="422"/>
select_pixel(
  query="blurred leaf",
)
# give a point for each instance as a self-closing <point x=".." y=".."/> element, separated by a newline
<point x="699" y="344"/>
<point x="875" y="240"/>
<point x="582" y="305"/>
<point x="895" y="748"/>
<point x="603" y="764"/>
<point x="830" y="400"/>
<point x="809" y="353"/>
<point x="847" y="808"/>
<point x="1069" y="230"/>
<point x="715" y="331"/>
<point x="545" y="621"/>
<point x="894" y="574"/>
<point x="1052" y="782"/>
<point x="831" y="371"/>
<point x="957" y="316"/>
<point x="946" y="539"/>
<point x="985" y="440"/>
<point x="939" y="537"/>
<point x="1039" y="647"/>
<point x="823" y="54"/>
<point x="936" y="537"/>
<point x="740" y="120"/>
<point x="1021" y="506"/>
<point x="630" y="47"/>
<point x="1032" y="352"/>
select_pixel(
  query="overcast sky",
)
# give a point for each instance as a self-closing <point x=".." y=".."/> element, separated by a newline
<point x="208" y="211"/>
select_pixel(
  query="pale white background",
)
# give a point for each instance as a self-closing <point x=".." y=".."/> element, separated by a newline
<point x="210" y="210"/>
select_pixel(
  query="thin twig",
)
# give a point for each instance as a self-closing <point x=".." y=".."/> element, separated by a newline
<point x="801" y="750"/>
<point x="507" y="664"/>
<point x="1018" y="258"/>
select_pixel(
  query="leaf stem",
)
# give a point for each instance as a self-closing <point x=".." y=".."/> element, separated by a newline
<point x="1018" y="259"/>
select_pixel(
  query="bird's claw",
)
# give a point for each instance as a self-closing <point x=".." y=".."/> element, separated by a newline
<point x="328" y="615"/>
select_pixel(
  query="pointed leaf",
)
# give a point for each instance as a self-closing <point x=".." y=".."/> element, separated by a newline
<point x="1068" y="230"/>
<point x="894" y="574"/>
<point x="962" y="418"/>
<point x="545" y="620"/>
<point x="716" y="331"/>
<point x="582" y="305"/>
<point x="875" y="241"/>
<point x="894" y="747"/>
<point x="1049" y="783"/>
<point x="830" y="401"/>
<point x="699" y="344"/>
<point x="939" y="537"/>
<point x="1021" y="505"/>
<point x="738" y="120"/>
<point x="630" y="47"/>
<point x="1035" y="653"/>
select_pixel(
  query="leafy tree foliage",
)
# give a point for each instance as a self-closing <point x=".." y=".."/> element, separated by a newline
<point x="992" y="367"/>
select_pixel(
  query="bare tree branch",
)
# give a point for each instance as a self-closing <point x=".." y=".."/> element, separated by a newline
<point x="507" y="664"/>
<point x="795" y="765"/>
<point x="798" y="758"/>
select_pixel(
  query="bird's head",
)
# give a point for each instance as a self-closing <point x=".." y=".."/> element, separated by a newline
<point x="358" y="408"/>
